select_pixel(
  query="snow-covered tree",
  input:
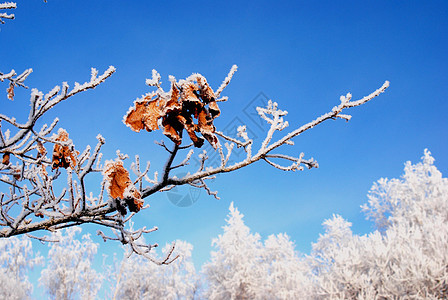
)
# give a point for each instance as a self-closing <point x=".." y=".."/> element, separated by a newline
<point x="287" y="273"/>
<point x="138" y="278"/>
<point x="69" y="273"/>
<point x="16" y="259"/>
<point x="242" y="267"/>
<point x="406" y="258"/>
<point x="234" y="271"/>
<point x="38" y="159"/>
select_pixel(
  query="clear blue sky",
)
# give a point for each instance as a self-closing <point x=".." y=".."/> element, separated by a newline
<point x="302" y="54"/>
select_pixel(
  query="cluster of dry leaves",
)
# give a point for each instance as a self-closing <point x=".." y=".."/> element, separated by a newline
<point x="64" y="156"/>
<point x="116" y="177"/>
<point x="190" y="105"/>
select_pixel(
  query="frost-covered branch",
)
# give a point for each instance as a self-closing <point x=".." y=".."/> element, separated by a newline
<point x="5" y="15"/>
<point x="191" y="105"/>
<point x="226" y="80"/>
<point x="40" y="104"/>
<point x="29" y="200"/>
<point x="14" y="81"/>
<point x="32" y="198"/>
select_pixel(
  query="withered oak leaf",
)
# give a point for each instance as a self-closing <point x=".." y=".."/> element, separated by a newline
<point x="191" y="104"/>
<point x="63" y="156"/>
<point x="6" y="157"/>
<point x="173" y="105"/>
<point x="41" y="151"/>
<point x="145" y="113"/>
<point x="10" y="91"/>
<point x="188" y="101"/>
<point x="119" y="185"/>
<point x="206" y="127"/>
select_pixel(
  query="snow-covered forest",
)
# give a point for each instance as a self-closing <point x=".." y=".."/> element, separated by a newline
<point x="82" y="222"/>
<point x="405" y="257"/>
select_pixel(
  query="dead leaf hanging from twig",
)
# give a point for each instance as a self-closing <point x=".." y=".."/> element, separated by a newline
<point x="5" y="159"/>
<point x="145" y="113"/>
<point x="188" y="101"/>
<point x="119" y="185"/>
<point x="10" y="91"/>
<point x="63" y="155"/>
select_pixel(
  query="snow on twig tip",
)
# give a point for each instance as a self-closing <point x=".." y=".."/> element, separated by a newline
<point x="226" y="80"/>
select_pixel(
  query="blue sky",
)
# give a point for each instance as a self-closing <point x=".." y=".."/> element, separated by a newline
<point x="301" y="54"/>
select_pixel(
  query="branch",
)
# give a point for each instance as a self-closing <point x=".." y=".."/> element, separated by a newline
<point x="7" y="5"/>
<point x="274" y="117"/>
<point x="40" y="105"/>
<point x="226" y="81"/>
<point x="30" y="203"/>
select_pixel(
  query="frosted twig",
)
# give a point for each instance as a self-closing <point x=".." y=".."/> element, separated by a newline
<point x="203" y="185"/>
<point x="88" y="168"/>
<point x="167" y="188"/>
<point x="162" y="144"/>
<point x="222" y="99"/>
<point x="226" y="81"/>
<point x="274" y="117"/>
<point x="237" y="142"/>
<point x="185" y="161"/>
<point x="17" y="81"/>
<point x="40" y="106"/>
<point x="334" y="112"/>
<point x="7" y="5"/>
<point x="143" y="174"/>
<point x="43" y="239"/>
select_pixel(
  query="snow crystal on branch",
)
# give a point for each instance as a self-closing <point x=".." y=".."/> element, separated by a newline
<point x="226" y="81"/>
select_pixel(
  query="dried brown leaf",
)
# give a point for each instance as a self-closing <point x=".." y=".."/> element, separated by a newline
<point x="191" y="104"/>
<point x="190" y="127"/>
<point x="6" y="157"/>
<point x="10" y="91"/>
<point x="173" y="105"/>
<point x="41" y="151"/>
<point x="208" y="96"/>
<point x="17" y="173"/>
<point x="178" y="112"/>
<point x="206" y="127"/>
<point x="135" y="202"/>
<point x="206" y="92"/>
<point x="214" y="109"/>
<point x="145" y="113"/>
<point x="63" y="156"/>
<point x="119" y="185"/>
<point x="171" y="129"/>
